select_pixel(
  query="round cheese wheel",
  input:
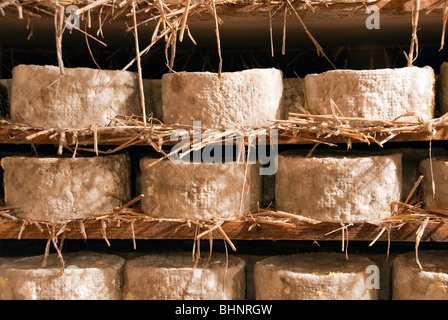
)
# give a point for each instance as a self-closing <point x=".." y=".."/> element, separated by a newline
<point x="314" y="276"/>
<point x="173" y="276"/>
<point x="337" y="188"/>
<point x="248" y="98"/>
<point x="199" y="191"/>
<point x="383" y="94"/>
<point x="58" y="189"/>
<point x="86" y="276"/>
<point x="435" y="171"/>
<point x="409" y="282"/>
<point x="43" y="98"/>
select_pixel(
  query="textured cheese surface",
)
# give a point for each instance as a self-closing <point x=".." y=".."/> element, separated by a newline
<point x="384" y="263"/>
<point x="87" y="276"/>
<point x="41" y="97"/>
<point x="436" y="172"/>
<point x="172" y="276"/>
<point x="338" y="188"/>
<point x="199" y="191"/>
<point x="443" y="88"/>
<point x="411" y="283"/>
<point x="375" y="94"/>
<point x="293" y="95"/>
<point x="153" y="97"/>
<point x="56" y="189"/>
<point x="239" y="99"/>
<point x="313" y="276"/>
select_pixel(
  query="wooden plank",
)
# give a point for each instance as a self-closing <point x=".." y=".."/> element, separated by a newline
<point x="236" y="230"/>
<point x="116" y="137"/>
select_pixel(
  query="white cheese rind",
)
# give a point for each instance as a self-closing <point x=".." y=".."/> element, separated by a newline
<point x="153" y="97"/>
<point x="173" y="276"/>
<point x="313" y="276"/>
<point x="86" y="276"/>
<point x="435" y="172"/>
<point x="200" y="191"/>
<point x="293" y="95"/>
<point x="409" y="282"/>
<point x="338" y="188"/>
<point x="248" y="98"/>
<point x="58" y="189"/>
<point x="443" y="88"/>
<point x="43" y="98"/>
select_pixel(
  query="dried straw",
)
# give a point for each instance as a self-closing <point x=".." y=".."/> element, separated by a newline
<point x="139" y="67"/>
<point x="414" y="40"/>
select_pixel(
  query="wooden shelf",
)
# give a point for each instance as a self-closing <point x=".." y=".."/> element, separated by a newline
<point x="436" y="231"/>
<point x="109" y="136"/>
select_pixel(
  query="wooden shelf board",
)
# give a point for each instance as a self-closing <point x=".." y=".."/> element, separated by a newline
<point x="10" y="134"/>
<point x="435" y="231"/>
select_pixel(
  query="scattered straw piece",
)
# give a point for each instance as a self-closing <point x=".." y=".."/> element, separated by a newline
<point x="445" y="18"/>
<point x="59" y="30"/>
<point x="139" y="67"/>
<point x="418" y="237"/>
<point x="218" y="41"/>
<point x="82" y="229"/>
<point x="414" y="40"/>
<point x="103" y="231"/>
<point x="378" y="236"/>
<point x="91" y="6"/>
